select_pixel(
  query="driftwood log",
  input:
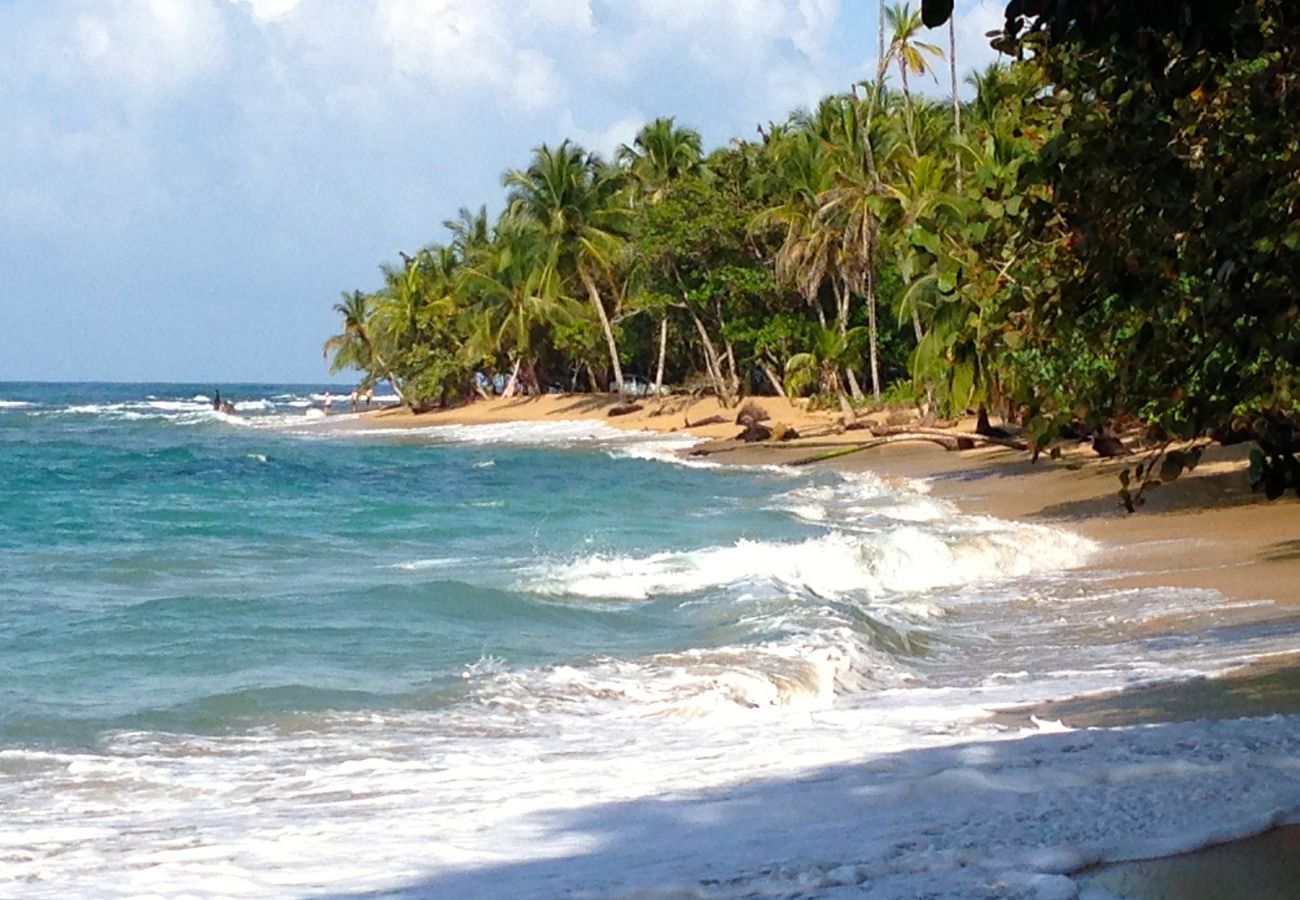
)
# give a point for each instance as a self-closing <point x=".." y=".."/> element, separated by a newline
<point x="924" y="431"/>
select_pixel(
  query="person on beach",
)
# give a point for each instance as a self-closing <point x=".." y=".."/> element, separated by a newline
<point x="370" y="395"/>
<point x="329" y="399"/>
<point x="352" y="400"/>
<point x="216" y="401"/>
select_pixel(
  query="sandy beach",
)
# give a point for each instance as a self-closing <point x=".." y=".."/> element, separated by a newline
<point x="1204" y="531"/>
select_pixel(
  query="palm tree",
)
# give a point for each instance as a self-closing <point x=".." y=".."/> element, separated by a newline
<point x="660" y="154"/>
<point x="515" y="292"/>
<point x="829" y="352"/>
<point x="908" y="53"/>
<point x="956" y="104"/>
<point x="354" y="347"/>
<point x="576" y="200"/>
<point x="469" y="231"/>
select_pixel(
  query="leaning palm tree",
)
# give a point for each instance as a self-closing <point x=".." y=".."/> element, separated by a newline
<point x="577" y="202"/>
<point x="354" y="346"/>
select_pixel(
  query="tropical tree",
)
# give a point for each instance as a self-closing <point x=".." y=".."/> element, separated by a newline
<point x="908" y="53"/>
<point x="516" y="298"/>
<point x="661" y="153"/>
<point x="578" y="203"/>
<point x="354" y="346"/>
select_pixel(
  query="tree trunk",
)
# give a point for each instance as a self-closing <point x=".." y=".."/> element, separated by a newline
<point x="880" y="34"/>
<point x="512" y="381"/>
<point x="871" y="325"/>
<point x="956" y="104"/>
<point x="531" y="380"/>
<point x="594" y="296"/>
<point x="731" y="352"/>
<point x="663" y="349"/>
<point x="388" y="372"/>
<point x="907" y="111"/>
<point x="774" y="379"/>
<point x="855" y="389"/>
<point x="842" y="295"/>
<point x="711" y="361"/>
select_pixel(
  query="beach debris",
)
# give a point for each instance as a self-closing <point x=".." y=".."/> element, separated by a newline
<point x="751" y="413"/>
<point x="986" y="428"/>
<point x="624" y="409"/>
<point x="784" y="432"/>
<point x="1106" y="445"/>
<point x="708" y="420"/>
<point x="963" y="440"/>
<point x="754" y="433"/>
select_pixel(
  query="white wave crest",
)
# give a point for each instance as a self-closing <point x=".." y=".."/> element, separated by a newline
<point x="901" y="559"/>
<point x="15" y="404"/>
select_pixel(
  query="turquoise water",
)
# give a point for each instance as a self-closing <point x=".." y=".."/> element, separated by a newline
<point x="281" y="653"/>
<point x="168" y="570"/>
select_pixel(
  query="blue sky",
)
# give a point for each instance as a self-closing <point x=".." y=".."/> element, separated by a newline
<point x="188" y="185"/>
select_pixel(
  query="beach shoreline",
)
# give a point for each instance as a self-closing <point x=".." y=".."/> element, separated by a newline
<point x="1206" y="531"/>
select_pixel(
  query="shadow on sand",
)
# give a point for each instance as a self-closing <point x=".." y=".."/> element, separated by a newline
<point x="968" y="820"/>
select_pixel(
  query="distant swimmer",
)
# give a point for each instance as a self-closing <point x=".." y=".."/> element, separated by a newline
<point x="228" y="408"/>
<point x="216" y="401"/>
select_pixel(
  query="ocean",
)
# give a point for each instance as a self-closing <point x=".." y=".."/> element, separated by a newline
<point x="284" y="654"/>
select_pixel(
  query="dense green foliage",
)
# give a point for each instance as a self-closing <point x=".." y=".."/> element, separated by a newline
<point x="1109" y="228"/>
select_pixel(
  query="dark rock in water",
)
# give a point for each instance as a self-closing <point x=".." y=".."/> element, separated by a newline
<point x="1107" y="446"/>
<point x="755" y="433"/>
<point x="624" y="409"/>
<point x="751" y="414"/>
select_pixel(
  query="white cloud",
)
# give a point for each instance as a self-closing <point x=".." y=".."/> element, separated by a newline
<point x="604" y="141"/>
<point x="150" y="49"/>
<point x="971" y="26"/>
<point x="270" y="10"/>
<point x="460" y="46"/>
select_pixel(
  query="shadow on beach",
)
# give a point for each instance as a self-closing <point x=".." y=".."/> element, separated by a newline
<point x="981" y="819"/>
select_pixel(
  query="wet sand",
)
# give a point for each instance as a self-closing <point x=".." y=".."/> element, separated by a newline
<point x="1204" y="531"/>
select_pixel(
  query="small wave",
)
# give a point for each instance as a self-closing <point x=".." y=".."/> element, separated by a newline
<point x="901" y="559"/>
<point x="15" y="404"/>
<point x="435" y="563"/>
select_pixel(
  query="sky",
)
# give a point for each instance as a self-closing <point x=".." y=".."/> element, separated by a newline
<point x="186" y="186"/>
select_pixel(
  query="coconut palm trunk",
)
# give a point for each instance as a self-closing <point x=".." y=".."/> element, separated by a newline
<point x="513" y="381"/>
<point x="956" y="104"/>
<point x="774" y="379"/>
<point x="663" y="351"/>
<point x="594" y="295"/>
<point x="871" y="325"/>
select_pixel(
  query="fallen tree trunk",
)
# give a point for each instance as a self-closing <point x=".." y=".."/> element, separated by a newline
<point x="945" y="441"/>
<point x="922" y="430"/>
